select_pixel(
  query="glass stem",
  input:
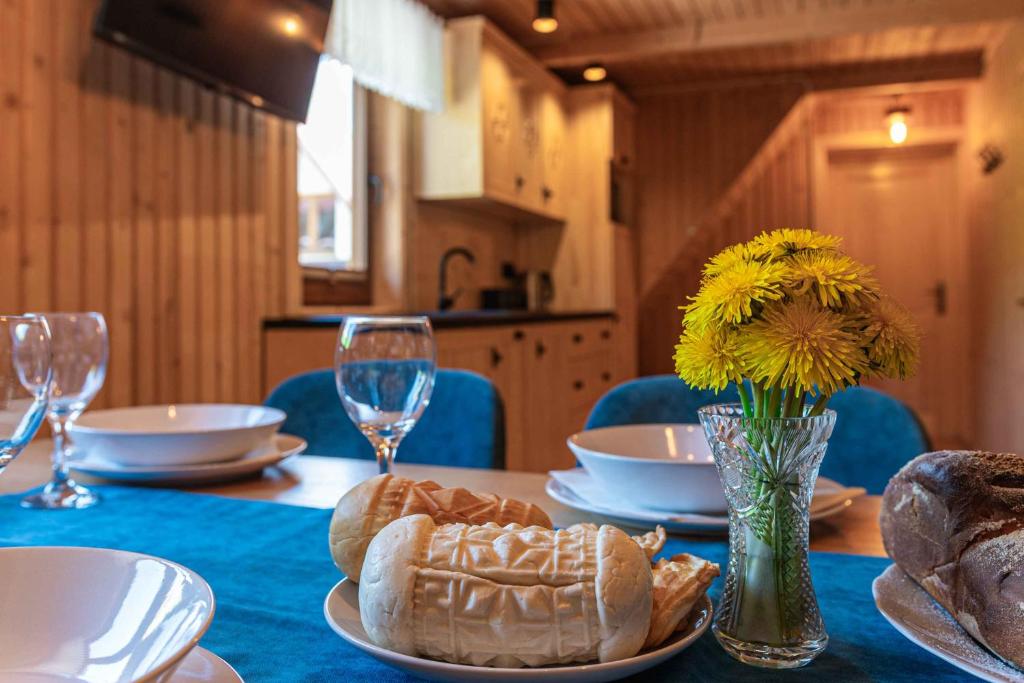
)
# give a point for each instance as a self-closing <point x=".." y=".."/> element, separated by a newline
<point x="60" y="445"/>
<point x="385" y="454"/>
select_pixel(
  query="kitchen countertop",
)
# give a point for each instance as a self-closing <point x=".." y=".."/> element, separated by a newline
<point x="450" y="319"/>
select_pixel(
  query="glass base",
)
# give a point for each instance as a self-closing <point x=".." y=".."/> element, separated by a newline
<point x="66" y="495"/>
<point x="772" y="657"/>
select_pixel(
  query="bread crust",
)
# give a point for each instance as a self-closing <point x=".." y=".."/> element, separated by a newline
<point x="371" y="505"/>
<point x="954" y="521"/>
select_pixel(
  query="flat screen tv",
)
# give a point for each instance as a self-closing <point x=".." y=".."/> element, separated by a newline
<point x="264" y="52"/>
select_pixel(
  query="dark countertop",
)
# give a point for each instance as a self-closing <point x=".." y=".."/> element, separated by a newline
<point x="444" y="320"/>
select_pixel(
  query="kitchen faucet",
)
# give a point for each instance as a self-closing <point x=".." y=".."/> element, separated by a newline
<point x="446" y="301"/>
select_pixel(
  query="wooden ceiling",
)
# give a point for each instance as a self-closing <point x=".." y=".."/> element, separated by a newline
<point x="652" y="44"/>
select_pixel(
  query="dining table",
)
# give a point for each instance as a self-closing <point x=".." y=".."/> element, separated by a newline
<point x="262" y="544"/>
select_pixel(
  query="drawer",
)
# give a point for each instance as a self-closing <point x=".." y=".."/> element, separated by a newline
<point x="586" y="339"/>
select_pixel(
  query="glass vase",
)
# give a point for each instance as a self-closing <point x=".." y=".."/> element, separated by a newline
<point x="768" y="614"/>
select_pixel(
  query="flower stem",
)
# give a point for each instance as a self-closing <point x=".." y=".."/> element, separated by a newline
<point x="748" y="410"/>
<point x="819" y="405"/>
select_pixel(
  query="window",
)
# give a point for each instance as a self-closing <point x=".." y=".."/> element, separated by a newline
<point x="332" y="175"/>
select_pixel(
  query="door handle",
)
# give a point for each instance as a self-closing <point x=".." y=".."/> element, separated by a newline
<point x="496" y="357"/>
<point x="941" y="297"/>
<point x="540" y="349"/>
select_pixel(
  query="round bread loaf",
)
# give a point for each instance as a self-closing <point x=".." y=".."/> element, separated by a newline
<point x="370" y="506"/>
<point x="954" y="521"/>
<point x="505" y="596"/>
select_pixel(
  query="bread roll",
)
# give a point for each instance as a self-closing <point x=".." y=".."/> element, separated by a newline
<point x="505" y="596"/>
<point x="954" y="521"/>
<point x="370" y="506"/>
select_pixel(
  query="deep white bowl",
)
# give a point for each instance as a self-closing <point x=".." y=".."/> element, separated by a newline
<point x="94" y="615"/>
<point x="660" y="466"/>
<point x="187" y="434"/>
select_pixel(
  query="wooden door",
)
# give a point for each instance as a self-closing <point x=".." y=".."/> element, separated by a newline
<point x="552" y="150"/>
<point x="545" y="399"/>
<point x="898" y="210"/>
<point x="527" y="147"/>
<point x="500" y="125"/>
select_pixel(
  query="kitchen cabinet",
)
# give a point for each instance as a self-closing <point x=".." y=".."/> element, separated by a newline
<point x="503" y="115"/>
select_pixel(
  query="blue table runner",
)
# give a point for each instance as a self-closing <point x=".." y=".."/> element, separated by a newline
<point x="270" y="570"/>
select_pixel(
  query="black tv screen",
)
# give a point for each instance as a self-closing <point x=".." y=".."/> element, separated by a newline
<point x="264" y="52"/>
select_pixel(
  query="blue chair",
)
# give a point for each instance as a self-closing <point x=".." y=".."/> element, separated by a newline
<point x="874" y="436"/>
<point x="464" y="425"/>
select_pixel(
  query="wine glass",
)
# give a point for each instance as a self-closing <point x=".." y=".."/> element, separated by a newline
<point x="384" y="369"/>
<point x="25" y="376"/>
<point x="80" y="350"/>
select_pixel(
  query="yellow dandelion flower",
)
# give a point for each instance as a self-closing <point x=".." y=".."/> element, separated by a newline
<point x="894" y="339"/>
<point x="727" y="259"/>
<point x="708" y="359"/>
<point x="731" y="296"/>
<point x="832" y="278"/>
<point x="799" y="343"/>
<point x="788" y="241"/>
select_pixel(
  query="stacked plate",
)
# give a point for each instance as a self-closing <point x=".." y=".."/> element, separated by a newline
<point x="104" y="616"/>
<point x="640" y="475"/>
<point x="180" y="444"/>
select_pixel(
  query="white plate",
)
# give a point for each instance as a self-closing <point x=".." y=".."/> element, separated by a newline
<point x="912" y="612"/>
<point x="97" y="616"/>
<point x="202" y="666"/>
<point x="667" y="465"/>
<point x="830" y="498"/>
<point x="281" y="447"/>
<point x="341" y="608"/>
<point x="188" y="434"/>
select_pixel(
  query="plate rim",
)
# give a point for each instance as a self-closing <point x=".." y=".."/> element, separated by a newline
<point x="298" y="446"/>
<point x="911" y="635"/>
<point x="526" y="673"/>
<point x="192" y="643"/>
<point x="202" y="651"/>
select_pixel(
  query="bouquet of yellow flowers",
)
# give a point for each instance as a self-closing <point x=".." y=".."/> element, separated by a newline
<point x="792" y="314"/>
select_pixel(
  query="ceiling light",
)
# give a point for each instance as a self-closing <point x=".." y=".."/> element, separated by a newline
<point x="545" y="21"/>
<point x="594" y="73"/>
<point x="290" y="25"/>
<point x="896" y="119"/>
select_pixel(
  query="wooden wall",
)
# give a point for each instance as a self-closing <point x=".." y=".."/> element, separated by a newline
<point x="128" y="190"/>
<point x="690" y="146"/>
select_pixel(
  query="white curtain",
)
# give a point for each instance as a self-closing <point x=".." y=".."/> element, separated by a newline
<point x="395" y="47"/>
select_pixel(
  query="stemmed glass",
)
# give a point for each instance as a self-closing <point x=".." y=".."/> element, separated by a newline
<point x="80" y="350"/>
<point x="384" y="369"/>
<point x="25" y="375"/>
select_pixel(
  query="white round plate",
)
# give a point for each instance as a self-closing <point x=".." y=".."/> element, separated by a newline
<point x="912" y="612"/>
<point x="94" y="615"/>
<point x="281" y="447"/>
<point x="172" y="435"/>
<point x="830" y="498"/>
<point x="341" y="609"/>
<point x="202" y="666"/>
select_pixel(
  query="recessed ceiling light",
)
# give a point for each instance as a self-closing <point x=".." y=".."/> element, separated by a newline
<point x="545" y="21"/>
<point x="594" y="73"/>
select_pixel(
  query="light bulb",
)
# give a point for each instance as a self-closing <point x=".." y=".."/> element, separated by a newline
<point x="595" y="73"/>
<point x="898" y="130"/>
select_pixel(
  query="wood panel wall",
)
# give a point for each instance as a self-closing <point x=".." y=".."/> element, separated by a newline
<point x="690" y="147"/>
<point x="131" y="191"/>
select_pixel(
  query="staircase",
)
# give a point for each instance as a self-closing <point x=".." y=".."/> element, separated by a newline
<point x="773" y="190"/>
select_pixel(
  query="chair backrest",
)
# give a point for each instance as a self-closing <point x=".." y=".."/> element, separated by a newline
<point x="464" y="424"/>
<point x="874" y="436"/>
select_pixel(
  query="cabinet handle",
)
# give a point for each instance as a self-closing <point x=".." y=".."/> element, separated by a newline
<point x="496" y="357"/>
<point x="606" y="334"/>
<point x="606" y="376"/>
<point x="518" y="335"/>
<point x="540" y="349"/>
<point x="546" y="193"/>
<point x="577" y="385"/>
<point x="577" y="338"/>
<point x="520" y="181"/>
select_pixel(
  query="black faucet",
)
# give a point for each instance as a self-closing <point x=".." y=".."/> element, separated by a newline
<point x="444" y="301"/>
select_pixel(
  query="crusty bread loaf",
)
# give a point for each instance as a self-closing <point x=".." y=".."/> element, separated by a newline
<point x="505" y="596"/>
<point x="954" y="521"/>
<point x="373" y="504"/>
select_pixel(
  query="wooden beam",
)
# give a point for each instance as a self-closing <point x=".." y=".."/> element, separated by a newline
<point x="811" y="24"/>
<point x="958" y="67"/>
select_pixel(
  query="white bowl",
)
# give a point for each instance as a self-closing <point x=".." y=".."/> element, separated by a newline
<point x="176" y="434"/>
<point x="660" y="466"/>
<point x="95" y="615"/>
